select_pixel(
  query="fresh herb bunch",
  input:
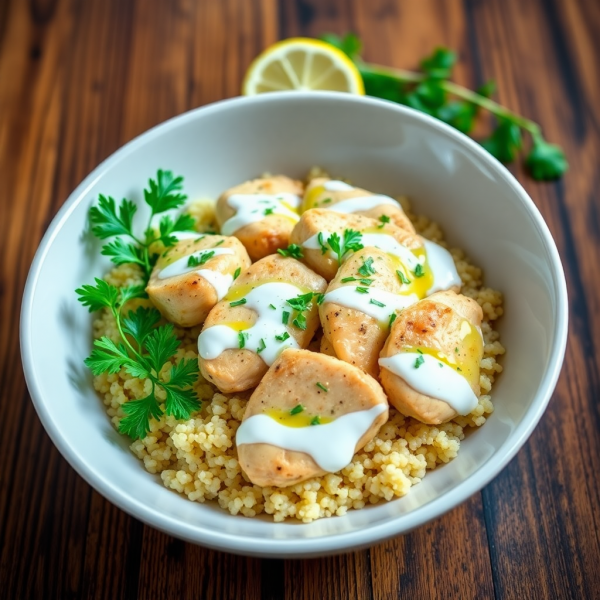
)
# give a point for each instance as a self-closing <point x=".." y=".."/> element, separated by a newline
<point x="143" y="350"/>
<point x="108" y="221"/>
<point x="431" y="91"/>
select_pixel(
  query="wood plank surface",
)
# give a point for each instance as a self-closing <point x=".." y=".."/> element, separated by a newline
<point x="78" y="78"/>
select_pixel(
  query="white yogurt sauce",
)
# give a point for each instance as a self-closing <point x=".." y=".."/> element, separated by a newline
<point x="330" y="445"/>
<point x="187" y="235"/>
<point x="180" y="266"/>
<point x="440" y="382"/>
<point x="352" y="205"/>
<point x="251" y="208"/>
<point x="221" y="282"/>
<point x="334" y="185"/>
<point x="269" y="323"/>
<point x="348" y="296"/>
<point x="442" y="266"/>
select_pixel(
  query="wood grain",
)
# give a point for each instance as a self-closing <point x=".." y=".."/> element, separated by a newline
<point x="78" y="78"/>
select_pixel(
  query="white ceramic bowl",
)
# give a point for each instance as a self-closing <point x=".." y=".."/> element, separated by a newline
<point x="380" y="146"/>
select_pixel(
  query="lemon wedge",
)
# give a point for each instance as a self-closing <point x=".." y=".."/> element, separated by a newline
<point x="302" y="64"/>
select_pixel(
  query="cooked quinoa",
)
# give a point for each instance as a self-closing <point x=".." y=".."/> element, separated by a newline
<point x="198" y="457"/>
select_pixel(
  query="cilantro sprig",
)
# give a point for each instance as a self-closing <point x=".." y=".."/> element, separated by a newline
<point x="431" y="91"/>
<point x="111" y="221"/>
<point x="143" y="349"/>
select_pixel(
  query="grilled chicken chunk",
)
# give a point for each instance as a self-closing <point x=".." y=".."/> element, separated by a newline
<point x="357" y="324"/>
<point x="240" y="366"/>
<point x="325" y="388"/>
<point x="340" y="197"/>
<point x="445" y="326"/>
<point x="192" y="276"/>
<point x="261" y="213"/>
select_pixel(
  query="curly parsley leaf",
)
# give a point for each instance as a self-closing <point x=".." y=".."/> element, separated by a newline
<point x="107" y="222"/>
<point x="140" y="324"/>
<point x="167" y="227"/>
<point x="505" y="141"/>
<point x="139" y="412"/>
<point x="163" y="193"/>
<point x="120" y="252"/>
<point x="350" y="241"/>
<point x="546" y="161"/>
<point x="161" y="344"/>
<point x="99" y="296"/>
<point x="108" y="357"/>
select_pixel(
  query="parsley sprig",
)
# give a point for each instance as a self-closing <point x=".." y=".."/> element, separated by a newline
<point x="349" y="241"/>
<point x="111" y="221"/>
<point x="144" y="348"/>
<point x="431" y="91"/>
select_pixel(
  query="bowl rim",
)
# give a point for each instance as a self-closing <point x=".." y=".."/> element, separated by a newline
<point x="337" y="542"/>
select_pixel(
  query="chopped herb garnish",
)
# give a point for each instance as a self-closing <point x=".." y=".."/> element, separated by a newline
<point x="367" y="268"/>
<point x="293" y="251"/>
<point x="440" y="364"/>
<point x="321" y="386"/>
<point x="419" y="351"/>
<point x="326" y="201"/>
<point x="362" y="290"/>
<point x="393" y="317"/>
<point x="285" y="317"/>
<point x="458" y="369"/>
<point x="349" y="242"/>
<point x="315" y="421"/>
<point x="218" y="243"/>
<point x="242" y="339"/>
<point x="347" y="279"/>
<point x="320" y="299"/>
<point x="322" y="243"/>
<point x="420" y="360"/>
<point x="237" y="273"/>
<point x="297" y="409"/>
<point x="272" y="307"/>
<point x="366" y="281"/>
<point x="269" y="211"/>
<point x="384" y="219"/>
<point x="300" y="322"/>
<point x="196" y="261"/>
<point x="238" y="302"/>
<point x="376" y="302"/>
<point x="261" y="346"/>
<point x="419" y="271"/>
<point x="199" y="239"/>
<point x="284" y="336"/>
<point x="301" y="302"/>
<point x="402" y="277"/>
<point x="456" y="350"/>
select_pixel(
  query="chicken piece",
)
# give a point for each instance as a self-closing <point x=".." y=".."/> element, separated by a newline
<point x="297" y="424"/>
<point x="358" y="305"/>
<point x="340" y="197"/>
<point x="261" y="213"/>
<point x="190" y="277"/>
<point x="320" y="221"/>
<point x="249" y="328"/>
<point x="430" y="362"/>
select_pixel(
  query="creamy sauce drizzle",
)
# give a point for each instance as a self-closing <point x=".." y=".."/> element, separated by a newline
<point x="213" y="341"/>
<point x="220" y="282"/>
<point x="330" y="445"/>
<point x="433" y="378"/>
<point x="251" y="208"/>
<point x="335" y="185"/>
<point x="348" y="296"/>
<point x="180" y="266"/>
<point x="360" y="203"/>
<point x="443" y="268"/>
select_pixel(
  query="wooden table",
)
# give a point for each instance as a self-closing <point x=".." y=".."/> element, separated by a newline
<point x="78" y="78"/>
